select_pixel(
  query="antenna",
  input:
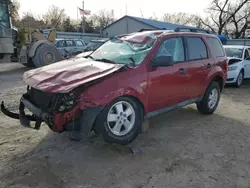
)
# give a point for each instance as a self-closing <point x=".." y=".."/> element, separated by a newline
<point x="155" y="15"/>
<point x="141" y="13"/>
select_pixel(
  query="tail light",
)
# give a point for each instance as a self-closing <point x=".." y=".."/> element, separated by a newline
<point x="226" y="65"/>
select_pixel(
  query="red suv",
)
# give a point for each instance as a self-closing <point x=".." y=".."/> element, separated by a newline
<point x="124" y="82"/>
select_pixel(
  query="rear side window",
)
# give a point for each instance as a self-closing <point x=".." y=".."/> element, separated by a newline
<point x="79" y="43"/>
<point x="216" y="46"/>
<point x="196" y="48"/>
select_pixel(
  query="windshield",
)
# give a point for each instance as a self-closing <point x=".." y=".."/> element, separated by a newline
<point x="234" y="52"/>
<point x="4" y="15"/>
<point x="122" y="50"/>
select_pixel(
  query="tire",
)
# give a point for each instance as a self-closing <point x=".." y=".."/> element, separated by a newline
<point x="105" y="127"/>
<point x="29" y="64"/>
<point x="239" y="79"/>
<point x="207" y="106"/>
<point x="40" y="60"/>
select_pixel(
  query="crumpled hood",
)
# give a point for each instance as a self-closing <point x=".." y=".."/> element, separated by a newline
<point x="63" y="76"/>
<point x="233" y="60"/>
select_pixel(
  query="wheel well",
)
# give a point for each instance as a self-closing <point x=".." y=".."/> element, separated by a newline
<point x="243" y="71"/>
<point x="137" y="101"/>
<point x="220" y="81"/>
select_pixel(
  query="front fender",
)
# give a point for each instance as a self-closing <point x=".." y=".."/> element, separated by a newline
<point x="105" y="99"/>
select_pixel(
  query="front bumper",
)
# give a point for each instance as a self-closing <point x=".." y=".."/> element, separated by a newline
<point x="83" y="123"/>
<point x="232" y="76"/>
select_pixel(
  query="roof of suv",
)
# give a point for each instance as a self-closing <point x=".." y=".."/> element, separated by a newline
<point x="162" y="33"/>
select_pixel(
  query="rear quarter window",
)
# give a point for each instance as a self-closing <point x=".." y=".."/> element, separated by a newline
<point x="216" y="46"/>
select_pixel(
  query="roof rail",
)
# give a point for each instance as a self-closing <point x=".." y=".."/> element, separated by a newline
<point x="182" y="29"/>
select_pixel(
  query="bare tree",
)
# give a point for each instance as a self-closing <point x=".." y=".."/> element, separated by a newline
<point x="54" y="17"/>
<point x="102" y="19"/>
<point x="182" y="19"/>
<point x="221" y="12"/>
<point x="241" y="22"/>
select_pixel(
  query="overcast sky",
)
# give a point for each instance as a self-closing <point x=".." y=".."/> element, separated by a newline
<point x="134" y="7"/>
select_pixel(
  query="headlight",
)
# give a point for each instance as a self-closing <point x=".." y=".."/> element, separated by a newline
<point x="67" y="102"/>
<point x="232" y="68"/>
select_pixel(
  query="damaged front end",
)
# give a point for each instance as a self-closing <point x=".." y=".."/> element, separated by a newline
<point x="60" y="111"/>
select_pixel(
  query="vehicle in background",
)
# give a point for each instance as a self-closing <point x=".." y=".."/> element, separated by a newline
<point x="70" y="47"/>
<point x="238" y="64"/>
<point x="129" y="79"/>
<point x="6" y="41"/>
<point x="94" y="44"/>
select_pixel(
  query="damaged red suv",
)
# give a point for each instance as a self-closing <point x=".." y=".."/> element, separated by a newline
<point x="124" y="82"/>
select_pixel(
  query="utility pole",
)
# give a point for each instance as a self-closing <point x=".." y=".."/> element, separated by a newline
<point x="83" y="17"/>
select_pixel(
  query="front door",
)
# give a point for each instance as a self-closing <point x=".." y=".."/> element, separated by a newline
<point x="168" y="85"/>
<point x="247" y="63"/>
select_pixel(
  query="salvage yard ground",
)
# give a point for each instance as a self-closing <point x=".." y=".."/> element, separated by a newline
<point x="181" y="149"/>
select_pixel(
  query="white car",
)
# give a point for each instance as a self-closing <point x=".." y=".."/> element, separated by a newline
<point x="238" y="64"/>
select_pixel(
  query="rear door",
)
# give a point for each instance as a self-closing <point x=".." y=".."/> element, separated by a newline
<point x="168" y="85"/>
<point x="199" y="65"/>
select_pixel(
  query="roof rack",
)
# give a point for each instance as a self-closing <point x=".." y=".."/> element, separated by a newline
<point x="182" y="29"/>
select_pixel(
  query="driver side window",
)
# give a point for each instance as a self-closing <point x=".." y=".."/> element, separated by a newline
<point x="172" y="47"/>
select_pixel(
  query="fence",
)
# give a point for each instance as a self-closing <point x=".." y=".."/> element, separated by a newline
<point x="74" y="35"/>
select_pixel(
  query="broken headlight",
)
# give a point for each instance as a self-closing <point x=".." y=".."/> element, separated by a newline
<point x="67" y="102"/>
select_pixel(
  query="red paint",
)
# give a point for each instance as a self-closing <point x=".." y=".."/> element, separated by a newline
<point x="155" y="88"/>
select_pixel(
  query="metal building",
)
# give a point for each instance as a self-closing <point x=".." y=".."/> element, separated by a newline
<point x="129" y="24"/>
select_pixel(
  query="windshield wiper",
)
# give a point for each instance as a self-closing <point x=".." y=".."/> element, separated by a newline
<point x="105" y="60"/>
<point x="89" y="56"/>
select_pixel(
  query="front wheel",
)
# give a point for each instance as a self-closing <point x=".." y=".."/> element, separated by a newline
<point x="210" y="100"/>
<point x="239" y="79"/>
<point x="120" y="122"/>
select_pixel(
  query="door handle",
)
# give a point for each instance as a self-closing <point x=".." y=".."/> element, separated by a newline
<point x="182" y="70"/>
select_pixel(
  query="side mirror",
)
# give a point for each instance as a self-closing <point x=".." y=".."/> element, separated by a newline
<point x="248" y="58"/>
<point x="162" y="61"/>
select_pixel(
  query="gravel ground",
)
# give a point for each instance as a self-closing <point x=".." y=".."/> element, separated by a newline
<point x="181" y="149"/>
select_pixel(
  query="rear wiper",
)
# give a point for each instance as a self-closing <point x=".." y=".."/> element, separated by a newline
<point x="105" y="60"/>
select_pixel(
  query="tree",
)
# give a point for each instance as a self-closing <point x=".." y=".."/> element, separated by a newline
<point x="29" y="20"/>
<point x="240" y="22"/>
<point x="67" y="26"/>
<point x="102" y="19"/>
<point x="221" y="12"/>
<point x="14" y="8"/>
<point x="182" y="18"/>
<point x="54" y="17"/>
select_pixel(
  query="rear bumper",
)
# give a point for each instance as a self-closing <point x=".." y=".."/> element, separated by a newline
<point x="83" y="123"/>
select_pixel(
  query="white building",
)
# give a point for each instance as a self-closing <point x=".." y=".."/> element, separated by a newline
<point x="129" y="24"/>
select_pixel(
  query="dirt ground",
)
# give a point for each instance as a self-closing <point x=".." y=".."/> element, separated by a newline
<point x="181" y="149"/>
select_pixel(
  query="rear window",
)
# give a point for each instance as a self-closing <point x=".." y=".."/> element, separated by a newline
<point x="196" y="48"/>
<point x="216" y="46"/>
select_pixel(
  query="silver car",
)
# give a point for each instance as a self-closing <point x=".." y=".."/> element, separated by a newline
<point x="69" y="47"/>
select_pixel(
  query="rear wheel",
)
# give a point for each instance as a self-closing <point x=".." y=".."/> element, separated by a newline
<point x="120" y="122"/>
<point x="45" y="55"/>
<point x="210" y="100"/>
<point x="239" y="79"/>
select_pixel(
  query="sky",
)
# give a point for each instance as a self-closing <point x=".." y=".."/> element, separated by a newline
<point x="143" y="8"/>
